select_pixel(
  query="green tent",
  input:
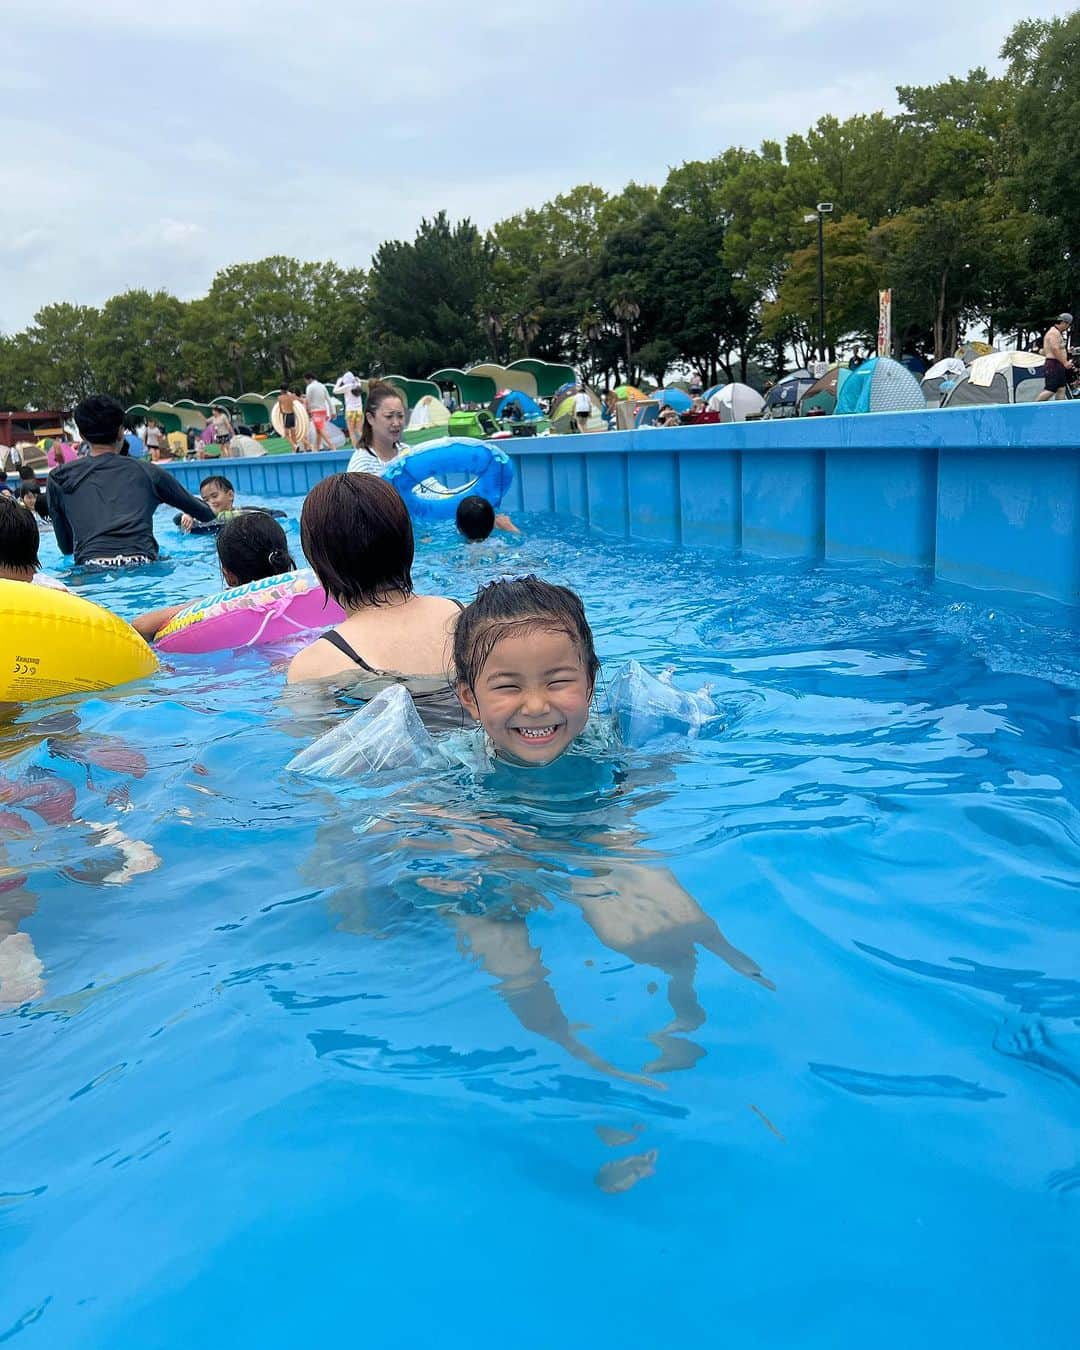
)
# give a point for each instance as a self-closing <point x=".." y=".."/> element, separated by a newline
<point x="204" y="408"/>
<point x="471" y="388"/>
<point x="413" y="390"/>
<point x="550" y="378"/>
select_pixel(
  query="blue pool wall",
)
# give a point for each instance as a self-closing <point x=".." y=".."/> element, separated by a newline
<point x="984" y="497"/>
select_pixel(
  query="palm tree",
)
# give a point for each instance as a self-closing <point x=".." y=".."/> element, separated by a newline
<point x="626" y="310"/>
<point x="526" y="328"/>
<point x="592" y="328"/>
<point x="494" y="326"/>
<point x="236" y="352"/>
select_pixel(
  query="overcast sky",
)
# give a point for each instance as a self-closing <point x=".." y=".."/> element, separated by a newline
<point x="147" y="144"/>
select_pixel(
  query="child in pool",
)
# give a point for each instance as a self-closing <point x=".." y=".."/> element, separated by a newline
<point x="476" y="518"/>
<point x="525" y="668"/>
<point x="219" y="495"/>
<point x="19" y="539"/>
<point x="251" y="546"/>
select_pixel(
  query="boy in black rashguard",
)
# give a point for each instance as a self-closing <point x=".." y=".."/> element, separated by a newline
<point x="102" y="507"/>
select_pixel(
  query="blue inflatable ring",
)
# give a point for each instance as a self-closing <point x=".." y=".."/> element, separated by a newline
<point x="420" y="476"/>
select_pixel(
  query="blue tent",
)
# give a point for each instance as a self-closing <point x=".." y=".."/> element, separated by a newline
<point x="529" y="407"/>
<point x="673" y="398"/>
<point x="713" y="389"/>
<point x="880" y="385"/>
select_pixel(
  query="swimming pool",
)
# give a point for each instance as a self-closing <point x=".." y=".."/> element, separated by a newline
<point x="295" y="1077"/>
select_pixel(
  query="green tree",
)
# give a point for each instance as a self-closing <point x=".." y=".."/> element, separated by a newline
<point x="1044" y="67"/>
<point x="136" y="351"/>
<point x="851" y="291"/>
<point x="427" y="300"/>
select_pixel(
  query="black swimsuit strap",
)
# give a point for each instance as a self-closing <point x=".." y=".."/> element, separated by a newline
<point x="336" y="640"/>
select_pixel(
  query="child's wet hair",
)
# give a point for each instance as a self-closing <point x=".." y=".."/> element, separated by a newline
<point x="252" y="546"/>
<point x="519" y="605"/>
<point x="18" y="536"/>
<point x="475" y="518"/>
<point x="217" y="480"/>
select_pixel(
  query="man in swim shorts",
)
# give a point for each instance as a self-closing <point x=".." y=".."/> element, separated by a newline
<point x="287" y="401"/>
<point x="317" y="398"/>
<point x="1058" y="366"/>
<point x="102" y="507"/>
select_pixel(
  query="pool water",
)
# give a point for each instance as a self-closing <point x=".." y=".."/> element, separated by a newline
<point x="768" y="1039"/>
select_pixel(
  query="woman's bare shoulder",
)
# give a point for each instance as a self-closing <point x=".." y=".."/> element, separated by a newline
<point x="318" y="659"/>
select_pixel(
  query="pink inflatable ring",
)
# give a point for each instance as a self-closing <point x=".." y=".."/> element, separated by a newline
<point x="274" y="609"/>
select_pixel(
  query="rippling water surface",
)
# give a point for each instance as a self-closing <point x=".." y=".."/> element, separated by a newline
<point x="769" y="1040"/>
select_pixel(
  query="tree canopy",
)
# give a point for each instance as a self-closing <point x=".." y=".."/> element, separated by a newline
<point x="966" y="203"/>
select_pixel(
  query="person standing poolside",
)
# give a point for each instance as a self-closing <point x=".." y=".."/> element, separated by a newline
<point x="287" y="401"/>
<point x="582" y="408"/>
<point x="317" y="398"/>
<point x="102" y="507"/>
<point x="153" y="439"/>
<point x="223" y="427"/>
<point x="380" y="434"/>
<point x="349" y="387"/>
<point x="1058" y="365"/>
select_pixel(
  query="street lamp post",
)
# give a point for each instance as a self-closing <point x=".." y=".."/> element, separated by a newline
<point x="819" y="213"/>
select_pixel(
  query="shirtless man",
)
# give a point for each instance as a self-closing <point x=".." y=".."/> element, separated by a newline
<point x="287" y="402"/>
<point x="1058" y="365"/>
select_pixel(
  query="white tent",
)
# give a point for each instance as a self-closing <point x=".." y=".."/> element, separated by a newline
<point x="736" y="402"/>
<point x="1001" y="377"/>
<point x="429" y="412"/>
<point x="940" y="378"/>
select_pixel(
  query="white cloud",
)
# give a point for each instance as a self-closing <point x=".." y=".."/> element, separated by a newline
<point x="231" y="129"/>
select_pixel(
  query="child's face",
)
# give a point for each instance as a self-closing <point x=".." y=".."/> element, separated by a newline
<point x="217" y="498"/>
<point x="532" y="695"/>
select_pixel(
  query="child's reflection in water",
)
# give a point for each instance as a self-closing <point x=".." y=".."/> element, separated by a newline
<point x="34" y="804"/>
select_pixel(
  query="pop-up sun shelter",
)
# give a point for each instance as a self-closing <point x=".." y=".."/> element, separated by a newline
<point x="522" y="380"/>
<point x="782" y="400"/>
<point x="1001" y="377"/>
<point x="940" y="378"/>
<point x="472" y="388"/>
<point x="549" y="377"/>
<point x="736" y="402"/>
<point x="880" y="384"/>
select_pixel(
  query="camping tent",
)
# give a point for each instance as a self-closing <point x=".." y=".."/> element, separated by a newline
<point x="782" y="400"/>
<point x="1001" y="377"/>
<point x="736" y="402"/>
<point x="529" y="407"/>
<point x="563" y="419"/>
<point x="940" y="378"/>
<point x="429" y="412"/>
<point x="879" y="384"/>
<point x="821" y="396"/>
<point x="672" y="397"/>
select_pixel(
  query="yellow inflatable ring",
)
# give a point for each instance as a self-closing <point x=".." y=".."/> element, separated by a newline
<point x="55" y="643"/>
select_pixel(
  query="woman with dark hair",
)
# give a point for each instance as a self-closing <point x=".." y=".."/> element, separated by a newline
<point x="380" y="436"/>
<point x="357" y="535"/>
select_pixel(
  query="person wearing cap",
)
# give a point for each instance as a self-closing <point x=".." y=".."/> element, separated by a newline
<point x="1058" y="366"/>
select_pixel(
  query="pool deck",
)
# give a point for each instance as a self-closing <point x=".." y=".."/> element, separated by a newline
<point x="984" y="497"/>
